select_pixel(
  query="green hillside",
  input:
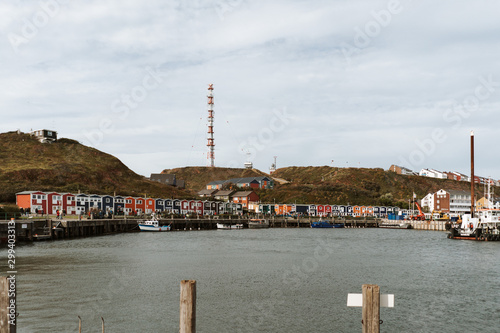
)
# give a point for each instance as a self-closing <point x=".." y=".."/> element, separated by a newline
<point x="198" y="177"/>
<point x="328" y="185"/>
<point x="68" y="166"/>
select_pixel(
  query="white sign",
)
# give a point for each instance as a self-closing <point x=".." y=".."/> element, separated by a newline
<point x="24" y="226"/>
<point x="386" y="300"/>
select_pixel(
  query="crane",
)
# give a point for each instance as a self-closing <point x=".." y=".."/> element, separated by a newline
<point x="420" y="216"/>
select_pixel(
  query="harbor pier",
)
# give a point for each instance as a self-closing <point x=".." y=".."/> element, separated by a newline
<point x="28" y="230"/>
<point x="428" y="225"/>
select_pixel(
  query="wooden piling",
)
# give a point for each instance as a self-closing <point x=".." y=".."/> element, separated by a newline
<point x="188" y="307"/>
<point x="4" y="304"/>
<point x="371" y="308"/>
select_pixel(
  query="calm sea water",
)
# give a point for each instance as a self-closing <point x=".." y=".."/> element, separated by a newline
<point x="275" y="280"/>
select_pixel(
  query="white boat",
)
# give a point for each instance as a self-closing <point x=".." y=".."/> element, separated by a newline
<point x="258" y="224"/>
<point x="395" y="225"/>
<point x="480" y="224"/>
<point x="228" y="226"/>
<point x="153" y="225"/>
<point x="484" y="227"/>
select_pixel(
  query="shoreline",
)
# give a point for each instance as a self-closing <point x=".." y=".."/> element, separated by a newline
<point x="52" y="229"/>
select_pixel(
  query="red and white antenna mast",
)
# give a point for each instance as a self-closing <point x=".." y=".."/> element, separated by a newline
<point x="211" y="143"/>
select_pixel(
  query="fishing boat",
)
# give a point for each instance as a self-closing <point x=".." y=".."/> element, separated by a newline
<point x="228" y="226"/>
<point x="321" y="224"/>
<point x="258" y="224"/>
<point x="153" y="225"/>
<point x="481" y="224"/>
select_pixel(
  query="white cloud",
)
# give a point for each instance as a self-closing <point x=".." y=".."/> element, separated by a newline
<point x="261" y="56"/>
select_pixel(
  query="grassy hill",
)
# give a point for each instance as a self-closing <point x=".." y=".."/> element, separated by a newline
<point x="68" y="166"/>
<point x="198" y="177"/>
<point x="329" y="185"/>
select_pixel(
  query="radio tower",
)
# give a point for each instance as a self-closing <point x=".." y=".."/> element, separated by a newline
<point x="211" y="144"/>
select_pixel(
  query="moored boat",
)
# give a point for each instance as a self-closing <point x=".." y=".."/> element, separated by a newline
<point x="390" y="225"/>
<point x="321" y="224"/>
<point x="153" y="225"/>
<point x="258" y="224"/>
<point x="481" y="224"/>
<point x="229" y="226"/>
<point x="484" y="227"/>
<point x="338" y="225"/>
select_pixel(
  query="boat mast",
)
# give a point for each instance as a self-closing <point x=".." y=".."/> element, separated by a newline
<point x="472" y="174"/>
<point x="488" y="197"/>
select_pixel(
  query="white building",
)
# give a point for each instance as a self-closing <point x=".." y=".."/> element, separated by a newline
<point x="428" y="201"/>
<point x="433" y="174"/>
<point x="45" y="136"/>
<point x="459" y="176"/>
<point x="459" y="202"/>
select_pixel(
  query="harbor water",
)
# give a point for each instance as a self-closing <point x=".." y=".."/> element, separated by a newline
<point x="263" y="280"/>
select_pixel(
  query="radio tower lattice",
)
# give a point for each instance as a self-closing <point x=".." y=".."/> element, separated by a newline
<point x="211" y="143"/>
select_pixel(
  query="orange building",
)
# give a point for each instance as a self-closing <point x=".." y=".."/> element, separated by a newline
<point x="280" y="209"/>
<point x="32" y="200"/>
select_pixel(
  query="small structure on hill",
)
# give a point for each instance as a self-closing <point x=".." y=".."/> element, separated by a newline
<point x="163" y="178"/>
<point x="253" y="182"/>
<point x="272" y="169"/>
<point x="45" y="136"/>
<point x="224" y="195"/>
<point x="207" y="193"/>
<point x="168" y="179"/>
<point x="402" y="170"/>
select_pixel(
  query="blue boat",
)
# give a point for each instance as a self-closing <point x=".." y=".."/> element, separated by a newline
<point x="321" y="224"/>
<point x="339" y="225"/>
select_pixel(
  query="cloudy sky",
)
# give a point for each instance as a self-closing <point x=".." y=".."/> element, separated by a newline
<point x="359" y="83"/>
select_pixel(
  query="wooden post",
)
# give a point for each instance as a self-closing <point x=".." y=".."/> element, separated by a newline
<point x="79" y="324"/>
<point x="4" y="304"/>
<point x="371" y="308"/>
<point x="188" y="307"/>
<point x="7" y="323"/>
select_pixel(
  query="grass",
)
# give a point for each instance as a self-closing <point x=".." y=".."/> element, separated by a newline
<point x="67" y="166"/>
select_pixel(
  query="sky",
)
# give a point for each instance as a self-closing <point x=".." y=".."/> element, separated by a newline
<point x="359" y="83"/>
